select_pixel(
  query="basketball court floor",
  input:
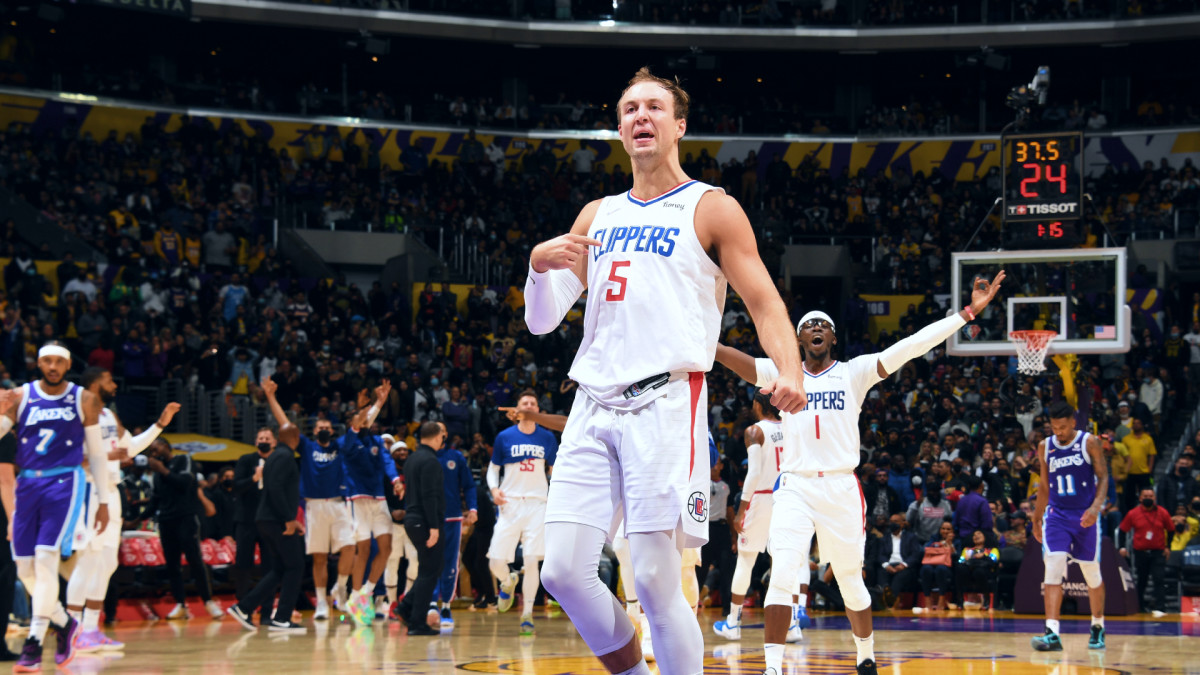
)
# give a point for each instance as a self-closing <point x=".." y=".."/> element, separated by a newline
<point x="488" y="643"/>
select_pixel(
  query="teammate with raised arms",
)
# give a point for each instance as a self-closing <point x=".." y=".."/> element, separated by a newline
<point x="656" y="260"/>
<point x="1071" y="496"/>
<point x="56" y="422"/>
<point x="99" y="554"/>
<point x="818" y="492"/>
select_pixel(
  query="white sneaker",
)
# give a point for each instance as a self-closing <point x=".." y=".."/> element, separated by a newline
<point x="322" y="612"/>
<point x="508" y="588"/>
<point x="381" y="608"/>
<point x="339" y="599"/>
<point x="968" y="604"/>
<point x="794" y="633"/>
<point x="726" y="631"/>
<point x="918" y="610"/>
<point x="178" y="612"/>
<point x="1157" y="614"/>
<point x="215" y="610"/>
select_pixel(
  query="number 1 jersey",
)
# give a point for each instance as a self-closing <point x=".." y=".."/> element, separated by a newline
<point x="824" y="436"/>
<point x="655" y="298"/>
<point x="523" y="459"/>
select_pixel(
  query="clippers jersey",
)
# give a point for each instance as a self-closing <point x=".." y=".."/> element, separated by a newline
<point x="655" y="297"/>
<point x="1072" y="478"/>
<point x="824" y="436"/>
<point x="523" y="459"/>
<point x="49" y="428"/>
<point x="108" y="432"/>
<point x="768" y="461"/>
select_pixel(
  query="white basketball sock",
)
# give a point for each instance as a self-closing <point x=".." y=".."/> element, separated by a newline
<point x="735" y="615"/>
<point x="1097" y="621"/>
<point x="865" y="647"/>
<point x="91" y="619"/>
<point x="529" y="586"/>
<point x="774" y="656"/>
<point x="1052" y="624"/>
<point x="640" y="669"/>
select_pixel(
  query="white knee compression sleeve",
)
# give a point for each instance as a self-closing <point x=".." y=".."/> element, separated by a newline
<point x="44" y="592"/>
<point x="1056" y="568"/>
<point x="657" y="564"/>
<point x="109" y="561"/>
<point x="1091" y="573"/>
<point x="742" y="572"/>
<point x="25" y="572"/>
<point x="79" y="584"/>
<point x="805" y="574"/>
<point x="569" y="574"/>
<point x="625" y="567"/>
<point x="854" y="590"/>
<point x="785" y="575"/>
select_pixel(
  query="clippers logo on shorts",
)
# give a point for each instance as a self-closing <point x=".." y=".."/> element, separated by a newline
<point x="698" y="507"/>
<point x="450" y="465"/>
<point x="375" y="450"/>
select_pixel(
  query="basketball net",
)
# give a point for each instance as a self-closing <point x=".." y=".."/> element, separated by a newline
<point x="1031" y="349"/>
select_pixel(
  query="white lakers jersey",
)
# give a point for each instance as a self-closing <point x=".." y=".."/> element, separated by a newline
<point x="824" y="436"/>
<point x="108" y="433"/>
<point x="655" y="298"/>
<point x="766" y="463"/>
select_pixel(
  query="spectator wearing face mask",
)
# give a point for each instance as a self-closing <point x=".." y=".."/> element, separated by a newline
<point x="1147" y="526"/>
<point x="1187" y="525"/>
<point x="927" y="515"/>
<point x="1178" y="487"/>
<point x="881" y="499"/>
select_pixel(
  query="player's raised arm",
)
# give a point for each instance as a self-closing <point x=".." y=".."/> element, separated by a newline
<point x="558" y="274"/>
<point x="919" y="343"/>
<point x="545" y="420"/>
<point x="269" y="388"/>
<point x="134" y="445"/>
<point x="10" y="400"/>
<point x="722" y="227"/>
<point x="738" y="361"/>
<point x="1100" y="466"/>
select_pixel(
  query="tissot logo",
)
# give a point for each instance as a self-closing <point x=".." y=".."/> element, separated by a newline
<point x="1043" y="209"/>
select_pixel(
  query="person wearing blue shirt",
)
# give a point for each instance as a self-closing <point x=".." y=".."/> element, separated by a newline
<point x="365" y="460"/>
<point x="233" y="295"/>
<point x="525" y="452"/>
<point x="329" y="526"/>
<point x="460" y="485"/>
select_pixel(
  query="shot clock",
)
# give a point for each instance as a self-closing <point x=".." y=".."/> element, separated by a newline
<point x="1044" y="234"/>
<point x="1043" y="176"/>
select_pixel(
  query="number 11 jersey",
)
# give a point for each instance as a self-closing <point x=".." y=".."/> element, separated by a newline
<point x="655" y="297"/>
<point x="523" y="459"/>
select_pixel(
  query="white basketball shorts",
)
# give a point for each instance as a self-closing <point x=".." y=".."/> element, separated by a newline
<point x="831" y="506"/>
<point x="650" y="464"/>
<point x="328" y="526"/>
<point x="371" y="518"/>
<point x="520" y="520"/>
<point x="85" y="531"/>
<point x="756" y="527"/>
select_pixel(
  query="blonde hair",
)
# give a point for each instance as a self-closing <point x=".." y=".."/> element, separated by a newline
<point x="682" y="100"/>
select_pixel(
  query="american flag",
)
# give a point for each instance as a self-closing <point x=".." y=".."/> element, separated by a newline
<point x="1106" y="332"/>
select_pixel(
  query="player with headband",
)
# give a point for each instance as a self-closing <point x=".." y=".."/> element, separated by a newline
<point x="56" y="422"/>
<point x="818" y="492"/>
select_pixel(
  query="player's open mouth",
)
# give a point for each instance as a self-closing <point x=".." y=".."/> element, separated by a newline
<point x="817" y="341"/>
<point x="643" y="135"/>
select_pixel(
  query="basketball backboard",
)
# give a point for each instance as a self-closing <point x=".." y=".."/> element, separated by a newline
<point x="1079" y="293"/>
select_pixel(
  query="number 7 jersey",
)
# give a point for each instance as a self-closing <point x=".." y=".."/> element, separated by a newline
<point x="655" y="298"/>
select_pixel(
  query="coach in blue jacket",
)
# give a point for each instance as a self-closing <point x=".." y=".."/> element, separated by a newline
<point x="460" y="485"/>
<point x="900" y="553"/>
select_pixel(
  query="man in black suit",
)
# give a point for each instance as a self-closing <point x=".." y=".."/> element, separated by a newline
<point x="424" y="513"/>
<point x="246" y="478"/>
<point x="283" y="535"/>
<point x="899" y="555"/>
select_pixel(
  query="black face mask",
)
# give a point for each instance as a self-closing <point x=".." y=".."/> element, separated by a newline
<point x="324" y="435"/>
<point x="935" y="497"/>
<point x="896" y="528"/>
<point x="1180" y="527"/>
<point x="227" y="484"/>
<point x="1148" y="503"/>
<point x="264" y="448"/>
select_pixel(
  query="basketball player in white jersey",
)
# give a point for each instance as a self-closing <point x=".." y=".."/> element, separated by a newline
<point x="764" y="455"/>
<point x="99" y="554"/>
<point x="656" y="260"/>
<point x="818" y="491"/>
<point x="525" y="454"/>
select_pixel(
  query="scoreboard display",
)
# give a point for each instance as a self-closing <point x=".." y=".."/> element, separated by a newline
<point x="1043" y="177"/>
<point x="1044" y="234"/>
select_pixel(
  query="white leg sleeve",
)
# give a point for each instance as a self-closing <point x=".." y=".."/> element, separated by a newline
<point x="529" y="586"/>
<point x="742" y="572"/>
<point x="44" y="592"/>
<point x="678" y="642"/>
<point x="109" y="561"/>
<point x="499" y="568"/>
<point x="570" y="574"/>
<point x="79" y="585"/>
<point x="625" y="564"/>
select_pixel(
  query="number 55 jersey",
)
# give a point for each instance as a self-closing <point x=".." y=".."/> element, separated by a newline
<point x="523" y="459"/>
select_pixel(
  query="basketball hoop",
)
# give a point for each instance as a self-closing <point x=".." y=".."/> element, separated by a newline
<point x="1031" y="349"/>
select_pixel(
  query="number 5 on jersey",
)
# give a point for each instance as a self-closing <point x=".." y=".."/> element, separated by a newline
<point x="619" y="280"/>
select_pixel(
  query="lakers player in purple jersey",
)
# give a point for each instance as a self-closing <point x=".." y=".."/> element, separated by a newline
<point x="1070" y="499"/>
<point x="56" y="422"/>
